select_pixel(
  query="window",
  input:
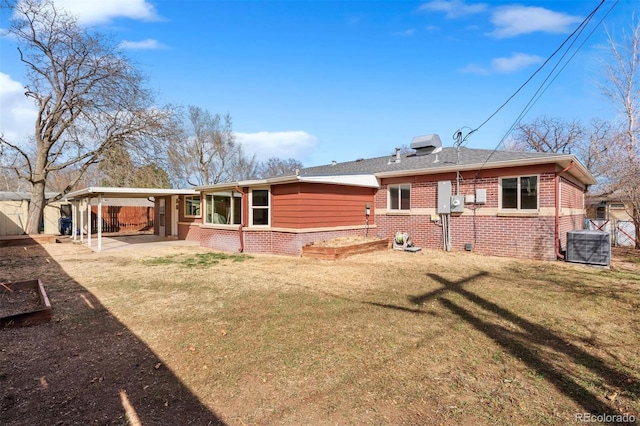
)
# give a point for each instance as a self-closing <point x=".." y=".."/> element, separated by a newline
<point x="519" y="193"/>
<point x="400" y="197"/>
<point x="223" y="208"/>
<point x="192" y="206"/>
<point x="260" y="207"/>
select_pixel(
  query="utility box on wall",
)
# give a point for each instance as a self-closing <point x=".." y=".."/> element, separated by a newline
<point x="457" y="204"/>
<point x="481" y="196"/>
<point x="444" y="196"/>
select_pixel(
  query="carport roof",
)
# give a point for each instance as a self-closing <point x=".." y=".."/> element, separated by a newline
<point x="94" y="191"/>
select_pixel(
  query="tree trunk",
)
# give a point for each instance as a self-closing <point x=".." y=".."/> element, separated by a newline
<point x="636" y="223"/>
<point x="36" y="208"/>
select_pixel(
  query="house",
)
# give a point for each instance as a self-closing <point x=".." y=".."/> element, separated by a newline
<point x="518" y="204"/>
<point x="608" y="207"/>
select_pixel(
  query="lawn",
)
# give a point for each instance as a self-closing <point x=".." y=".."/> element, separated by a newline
<point x="183" y="335"/>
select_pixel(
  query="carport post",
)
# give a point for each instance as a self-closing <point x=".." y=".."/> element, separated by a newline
<point x="74" y="218"/>
<point x="89" y="221"/>
<point x="99" y="224"/>
<point x="81" y="221"/>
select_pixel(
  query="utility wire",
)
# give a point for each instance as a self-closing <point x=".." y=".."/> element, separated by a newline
<point x="541" y="91"/>
<point x="583" y="23"/>
<point x="542" y="88"/>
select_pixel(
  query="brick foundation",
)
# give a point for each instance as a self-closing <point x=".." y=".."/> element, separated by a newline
<point x="270" y="242"/>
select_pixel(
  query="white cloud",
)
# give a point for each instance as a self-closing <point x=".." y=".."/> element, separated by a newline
<point x="406" y="33"/>
<point x="511" y="21"/>
<point x="474" y="69"/>
<point x="147" y="44"/>
<point x="516" y="62"/>
<point x="290" y="144"/>
<point x="17" y="112"/>
<point x="102" y="11"/>
<point x="453" y="8"/>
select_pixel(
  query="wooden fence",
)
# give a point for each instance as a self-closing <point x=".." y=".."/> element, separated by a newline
<point x="123" y="219"/>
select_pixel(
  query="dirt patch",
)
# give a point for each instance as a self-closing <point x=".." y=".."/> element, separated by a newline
<point x="625" y="258"/>
<point x="23" y="303"/>
<point x="18" y="301"/>
<point x="345" y="241"/>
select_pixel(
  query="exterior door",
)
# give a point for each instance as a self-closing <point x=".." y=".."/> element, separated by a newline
<point x="174" y="216"/>
<point x="162" y="217"/>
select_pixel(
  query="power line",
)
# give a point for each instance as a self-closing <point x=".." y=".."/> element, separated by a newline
<point x="582" y="24"/>
<point x="542" y="87"/>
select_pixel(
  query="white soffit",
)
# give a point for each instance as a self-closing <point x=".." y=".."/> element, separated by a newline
<point x="355" y="180"/>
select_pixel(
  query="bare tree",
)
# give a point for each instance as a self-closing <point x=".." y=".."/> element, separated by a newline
<point x="549" y="134"/>
<point x="622" y="87"/>
<point x="279" y="167"/>
<point x="553" y="134"/>
<point x="206" y="152"/>
<point x="89" y="98"/>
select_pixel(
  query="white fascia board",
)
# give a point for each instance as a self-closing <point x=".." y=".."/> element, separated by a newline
<point x="127" y="192"/>
<point x="563" y="160"/>
<point x="351" y="180"/>
<point x="230" y="185"/>
<point x="369" y="181"/>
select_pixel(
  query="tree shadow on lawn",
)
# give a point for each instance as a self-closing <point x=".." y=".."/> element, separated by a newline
<point x="523" y="344"/>
<point x="84" y="366"/>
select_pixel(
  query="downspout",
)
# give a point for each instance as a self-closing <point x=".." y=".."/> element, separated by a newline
<point x="240" y="232"/>
<point x="557" y="202"/>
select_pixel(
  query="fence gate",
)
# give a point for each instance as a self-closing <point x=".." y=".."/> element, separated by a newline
<point x="622" y="231"/>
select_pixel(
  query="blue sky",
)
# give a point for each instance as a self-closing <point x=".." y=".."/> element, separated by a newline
<point x="332" y="80"/>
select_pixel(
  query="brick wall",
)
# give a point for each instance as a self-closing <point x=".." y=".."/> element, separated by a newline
<point x="269" y="242"/>
<point x="488" y="231"/>
<point x="189" y="232"/>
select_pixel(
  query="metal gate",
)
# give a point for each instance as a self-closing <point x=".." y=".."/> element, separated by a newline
<point x="622" y="231"/>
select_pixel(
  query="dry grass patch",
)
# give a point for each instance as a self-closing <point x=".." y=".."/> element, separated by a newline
<point x="380" y="338"/>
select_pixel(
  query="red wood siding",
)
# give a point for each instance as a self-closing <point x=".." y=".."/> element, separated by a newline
<point x="304" y="205"/>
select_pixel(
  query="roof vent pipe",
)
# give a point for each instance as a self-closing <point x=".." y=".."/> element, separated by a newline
<point x="398" y="155"/>
<point x="334" y="162"/>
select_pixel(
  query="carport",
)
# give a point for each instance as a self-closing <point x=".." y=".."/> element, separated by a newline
<point x="82" y="200"/>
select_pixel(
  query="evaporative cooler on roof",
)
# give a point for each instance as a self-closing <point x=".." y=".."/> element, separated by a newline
<point x="427" y="144"/>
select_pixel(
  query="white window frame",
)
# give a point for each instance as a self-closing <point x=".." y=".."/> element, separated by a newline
<point x="518" y="194"/>
<point x="187" y="197"/>
<point x="236" y="203"/>
<point x="398" y="187"/>
<point x="252" y="207"/>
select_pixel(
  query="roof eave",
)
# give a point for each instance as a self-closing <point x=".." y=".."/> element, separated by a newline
<point x="564" y="160"/>
<point x="127" y="192"/>
<point x="248" y="183"/>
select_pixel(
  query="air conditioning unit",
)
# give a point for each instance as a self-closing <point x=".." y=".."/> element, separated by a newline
<point x="590" y="247"/>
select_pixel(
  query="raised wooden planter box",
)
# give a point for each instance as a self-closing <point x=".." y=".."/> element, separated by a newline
<point x="333" y="253"/>
<point x="23" y="303"/>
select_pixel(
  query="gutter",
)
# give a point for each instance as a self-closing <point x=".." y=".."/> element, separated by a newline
<point x="557" y="202"/>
